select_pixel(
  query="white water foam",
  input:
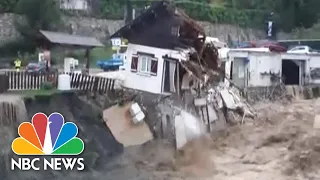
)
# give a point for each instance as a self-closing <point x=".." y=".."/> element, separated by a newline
<point x="47" y="146"/>
<point x="187" y="128"/>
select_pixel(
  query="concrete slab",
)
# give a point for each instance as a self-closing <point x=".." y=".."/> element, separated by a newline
<point x="228" y="99"/>
<point x="289" y="91"/>
<point x="200" y="101"/>
<point x="120" y="123"/>
<point x="212" y="113"/>
<point x="316" y="122"/>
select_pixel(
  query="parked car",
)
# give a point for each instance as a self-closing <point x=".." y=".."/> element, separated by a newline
<point x="37" y="67"/>
<point x="302" y="49"/>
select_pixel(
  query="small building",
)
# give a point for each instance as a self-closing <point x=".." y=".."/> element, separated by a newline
<point x="159" y="39"/>
<point x="47" y="40"/>
<point x="258" y="67"/>
<point x="81" y="5"/>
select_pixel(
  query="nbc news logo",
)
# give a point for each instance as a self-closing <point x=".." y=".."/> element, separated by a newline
<point x="47" y="136"/>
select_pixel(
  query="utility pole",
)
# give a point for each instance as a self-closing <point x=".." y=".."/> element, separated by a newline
<point x="128" y="17"/>
<point x="270" y="27"/>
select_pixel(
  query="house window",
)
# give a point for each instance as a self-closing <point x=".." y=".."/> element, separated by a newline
<point x="144" y="64"/>
<point x="175" y="30"/>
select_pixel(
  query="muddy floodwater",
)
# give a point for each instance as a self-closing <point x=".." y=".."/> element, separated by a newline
<point x="280" y="144"/>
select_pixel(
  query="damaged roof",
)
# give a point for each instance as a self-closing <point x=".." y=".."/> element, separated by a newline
<point x="163" y="25"/>
<point x="158" y="9"/>
<point x="158" y="23"/>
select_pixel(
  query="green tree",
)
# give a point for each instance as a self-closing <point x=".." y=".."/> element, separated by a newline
<point x="113" y="9"/>
<point x="291" y="13"/>
<point x="7" y="5"/>
<point x="36" y="15"/>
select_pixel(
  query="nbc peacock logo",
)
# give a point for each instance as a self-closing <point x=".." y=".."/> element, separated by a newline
<point x="47" y="136"/>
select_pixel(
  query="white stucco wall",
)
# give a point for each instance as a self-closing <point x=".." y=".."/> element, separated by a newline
<point x="314" y="64"/>
<point x="136" y="80"/>
<point x="314" y="61"/>
<point x="269" y="61"/>
<point x="263" y="63"/>
<point x="259" y="63"/>
<point x="74" y="4"/>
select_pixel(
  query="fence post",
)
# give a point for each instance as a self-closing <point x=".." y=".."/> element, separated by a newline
<point x="95" y="85"/>
<point x="112" y="85"/>
<point x="4" y="82"/>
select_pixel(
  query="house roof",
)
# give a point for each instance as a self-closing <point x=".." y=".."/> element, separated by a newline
<point x="68" y="39"/>
<point x="158" y="9"/>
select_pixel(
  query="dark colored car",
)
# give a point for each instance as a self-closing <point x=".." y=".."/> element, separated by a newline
<point x="36" y="67"/>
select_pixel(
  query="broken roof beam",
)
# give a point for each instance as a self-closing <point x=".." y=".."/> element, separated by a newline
<point x="190" y="22"/>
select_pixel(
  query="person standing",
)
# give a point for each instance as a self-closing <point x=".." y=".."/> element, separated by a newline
<point x="17" y="63"/>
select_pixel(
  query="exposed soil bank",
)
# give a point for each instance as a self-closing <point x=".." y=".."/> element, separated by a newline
<point x="100" y="146"/>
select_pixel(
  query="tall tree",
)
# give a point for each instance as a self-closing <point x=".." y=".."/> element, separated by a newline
<point x="7" y="5"/>
<point x="36" y="15"/>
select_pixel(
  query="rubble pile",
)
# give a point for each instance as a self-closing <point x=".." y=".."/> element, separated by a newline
<point x="230" y="99"/>
<point x="204" y="70"/>
<point x="203" y="58"/>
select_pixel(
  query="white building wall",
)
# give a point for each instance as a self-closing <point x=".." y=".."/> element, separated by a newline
<point x="314" y="68"/>
<point x="263" y="63"/>
<point x="74" y="4"/>
<point x="140" y="81"/>
<point x="314" y="62"/>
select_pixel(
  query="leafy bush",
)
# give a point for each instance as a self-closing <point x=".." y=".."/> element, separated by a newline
<point x="303" y="33"/>
<point x="7" y="5"/>
<point x="47" y="85"/>
<point x="197" y="10"/>
<point x="214" y="14"/>
<point x="10" y="48"/>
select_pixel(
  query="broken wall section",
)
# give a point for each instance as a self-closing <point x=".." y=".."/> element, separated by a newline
<point x="208" y="112"/>
<point x="157" y="108"/>
<point x="160" y="111"/>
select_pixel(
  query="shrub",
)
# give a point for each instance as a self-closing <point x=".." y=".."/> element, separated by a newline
<point x="214" y="14"/>
<point x="47" y="85"/>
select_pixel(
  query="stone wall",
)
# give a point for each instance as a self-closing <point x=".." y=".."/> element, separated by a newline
<point x="102" y="28"/>
<point x="7" y="30"/>
<point x="256" y="94"/>
<point x="274" y="93"/>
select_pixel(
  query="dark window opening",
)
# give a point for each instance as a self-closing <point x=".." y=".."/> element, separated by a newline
<point x="168" y="121"/>
<point x="154" y="66"/>
<point x="290" y="72"/>
<point x="231" y="70"/>
<point x="174" y="30"/>
<point x="134" y="63"/>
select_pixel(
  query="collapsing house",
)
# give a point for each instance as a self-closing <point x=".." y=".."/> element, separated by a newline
<point x="162" y="40"/>
<point x="167" y="54"/>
